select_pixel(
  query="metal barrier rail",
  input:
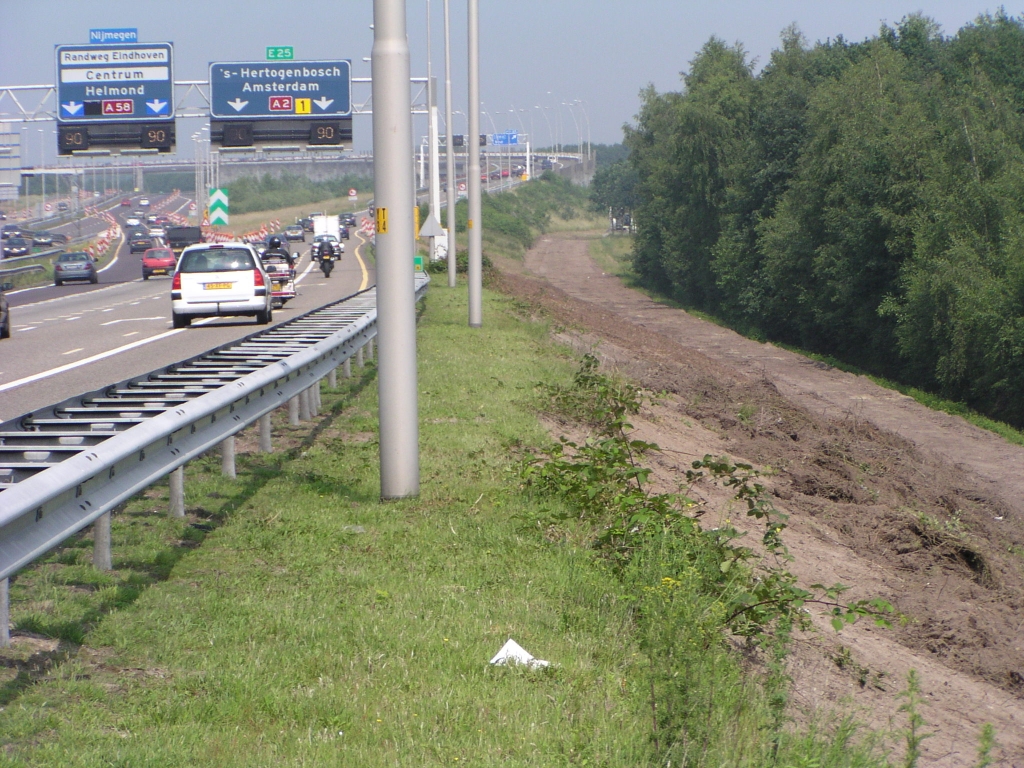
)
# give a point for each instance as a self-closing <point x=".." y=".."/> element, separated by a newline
<point x="22" y="270"/>
<point x="41" y="255"/>
<point x="63" y="466"/>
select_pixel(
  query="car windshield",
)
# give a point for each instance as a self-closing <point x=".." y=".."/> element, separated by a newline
<point x="80" y="256"/>
<point x="158" y="254"/>
<point x="328" y="238"/>
<point x="219" y="260"/>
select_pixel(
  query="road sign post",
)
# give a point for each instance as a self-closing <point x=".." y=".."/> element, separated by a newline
<point x="117" y="95"/>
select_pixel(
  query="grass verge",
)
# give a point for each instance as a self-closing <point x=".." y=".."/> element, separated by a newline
<point x="315" y="625"/>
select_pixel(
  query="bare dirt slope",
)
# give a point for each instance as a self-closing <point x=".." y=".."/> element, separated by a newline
<point x="883" y="494"/>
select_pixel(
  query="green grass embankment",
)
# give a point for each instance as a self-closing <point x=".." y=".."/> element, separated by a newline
<point x="318" y="626"/>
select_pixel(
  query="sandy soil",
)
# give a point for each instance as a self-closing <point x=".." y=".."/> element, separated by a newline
<point x="883" y="494"/>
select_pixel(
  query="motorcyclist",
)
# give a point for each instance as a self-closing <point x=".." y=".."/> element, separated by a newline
<point x="325" y="248"/>
<point x="275" y="250"/>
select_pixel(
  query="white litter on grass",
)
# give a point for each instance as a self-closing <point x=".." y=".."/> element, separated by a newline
<point x="513" y="653"/>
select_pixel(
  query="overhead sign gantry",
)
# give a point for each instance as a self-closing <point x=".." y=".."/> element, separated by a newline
<point x="278" y="102"/>
<point x="115" y="96"/>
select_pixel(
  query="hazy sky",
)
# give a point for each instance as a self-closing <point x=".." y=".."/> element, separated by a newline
<point x="536" y="55"/>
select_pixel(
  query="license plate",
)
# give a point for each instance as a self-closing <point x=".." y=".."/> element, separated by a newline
<point x="159" y="271"/>
<point x="217" y="286"/>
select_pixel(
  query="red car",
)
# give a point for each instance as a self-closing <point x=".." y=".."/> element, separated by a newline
<point x="126" y="201"/>
<point x="158" y="261"/>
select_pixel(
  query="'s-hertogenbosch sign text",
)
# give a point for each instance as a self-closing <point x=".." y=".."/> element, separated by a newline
<point x="262" y="90"/>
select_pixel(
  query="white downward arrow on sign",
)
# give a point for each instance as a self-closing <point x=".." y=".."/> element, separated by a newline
<point x="238" y="104"/>
<point x="324" y="103"/>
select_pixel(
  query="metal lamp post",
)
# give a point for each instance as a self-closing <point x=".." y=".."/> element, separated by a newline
<point x="475" y="272"/>
<point x="395" y="246"/>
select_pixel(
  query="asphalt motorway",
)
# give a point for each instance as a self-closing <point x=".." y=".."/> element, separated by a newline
<point x="70" y="340"/>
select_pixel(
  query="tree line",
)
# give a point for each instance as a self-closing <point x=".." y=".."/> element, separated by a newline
<point x="863" y="200"/>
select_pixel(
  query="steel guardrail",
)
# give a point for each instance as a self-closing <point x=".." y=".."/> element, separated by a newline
<point x="22" y="270"/>
<point x="63" y="466"/>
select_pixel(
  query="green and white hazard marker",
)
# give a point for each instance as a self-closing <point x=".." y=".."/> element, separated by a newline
<point x="218" y="206"/>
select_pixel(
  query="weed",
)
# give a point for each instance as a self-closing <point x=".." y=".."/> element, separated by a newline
<point x="913" y="733"/>
<point x="746" y="413"/>
<point x="986" y="743"/>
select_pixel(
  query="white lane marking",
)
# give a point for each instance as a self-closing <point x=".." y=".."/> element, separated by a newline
<point x="133" y="319"/>
<point x="108" y="309"/>
<point x="72" y="351"/>
<point x="131" y="333"/>
<point x="117" y="248"/>
<point x="63" y="298"/>
<point x="77" y="317"/>
<point x="87" y="360"/>
<point x="26" y="328"/>
<point x="305" y="272"/>
<point x="100" y="356"/>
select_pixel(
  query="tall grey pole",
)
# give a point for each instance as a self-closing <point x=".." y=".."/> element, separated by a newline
<point x="475" y="225"/>
<point x="395" y="246"/>
<point x="450" y="151"/>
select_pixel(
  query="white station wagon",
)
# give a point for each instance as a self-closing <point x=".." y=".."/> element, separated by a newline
<point x="220" y="280"/>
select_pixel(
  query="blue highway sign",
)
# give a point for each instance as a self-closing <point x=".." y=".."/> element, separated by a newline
<point x="268" y="90"/>
<point x="506" y="138"/>
<point x="123" y="35"/>
<point x="115" y="83"/>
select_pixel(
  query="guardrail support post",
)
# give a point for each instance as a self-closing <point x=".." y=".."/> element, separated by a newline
<point x="346" y="368"/>
<point x="369" y="350"/>
<point x="293" y="411"/>
<point x="265" y="445"/>
<point x="304" y="414"/>
<point x="177" y="482"/>
<point x="5" y="614"/>
<point x="360" y="361"/>
<point x="101" y="559"/>
<point x="317" y="402"/>
<point x="332" y="378"/>
<point x="227" y="457"/>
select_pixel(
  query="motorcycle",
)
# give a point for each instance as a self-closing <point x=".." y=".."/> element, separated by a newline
<point x="326" y="263"/>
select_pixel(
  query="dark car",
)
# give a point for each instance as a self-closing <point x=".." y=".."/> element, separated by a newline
<point x="62" y="206"/>
<point x="17" y="246"/>
<point x="158" y="261"/>
<point x="348" y="219"/>
<point x="10" y="230"/>
<point x="295" y="232"/>
<point x="3" y="216"/>
<point x="42" y="239"/>
<point x="5" y="312"/>
<point x="306" y="223"/>
<point x="343" y="232"/>
<point x="139" y="241"/>
<point x="76" y="265"/>
<point x="58" y="238"/>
